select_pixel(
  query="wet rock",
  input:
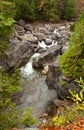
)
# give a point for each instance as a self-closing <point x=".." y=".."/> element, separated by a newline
<point x="47" y="56"/>
<point x="57" y="81"/>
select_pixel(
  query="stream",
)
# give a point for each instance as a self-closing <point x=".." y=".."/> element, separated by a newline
<point x="35" y="90"/>
<point x="27" y="43"/>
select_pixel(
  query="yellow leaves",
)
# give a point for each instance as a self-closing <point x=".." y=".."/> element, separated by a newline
<point x="58" y="120"/>
<point x="78" y="97"/>
<point x="80" y="107"/>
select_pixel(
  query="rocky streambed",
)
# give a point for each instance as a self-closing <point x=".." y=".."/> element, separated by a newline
<point x="36" y="38"/>
<point x="42" y="78"/>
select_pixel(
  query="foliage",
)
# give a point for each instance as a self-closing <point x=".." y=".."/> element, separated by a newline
<point x="48" y="10"/>
<point x="8" y="87"/>
<point x="58" y="120"/>
<point x="77" y="125"/>
<point x="69" y="9"/>
<point x="72" y="61"/>
<point x="53" y="10"/>
<point x="72" y="26"/>
<point x="26" y="9"/>
<point x="27" y="117"/>
<point x="78" y="97"/>
<point x="69" y="114"/>
<point x="6" y="25"/>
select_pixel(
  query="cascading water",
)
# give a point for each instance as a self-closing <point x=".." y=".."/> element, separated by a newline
<point x="28" y="68"/>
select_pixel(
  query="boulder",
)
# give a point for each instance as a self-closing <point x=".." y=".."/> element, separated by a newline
<point x="28" y="27"/>
<point x="19" y="30"/>
<point x="40" y="36"/>
<point x="21" y="22"/>
<point x="18" y="56"/>
<point x="28" y="37"/>
<point x="57" y="81"/>
<point x="47" y="56"/>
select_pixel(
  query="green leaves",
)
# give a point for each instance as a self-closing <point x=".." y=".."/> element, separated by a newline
<point x="72" y="61"/>
<point x="9" y="22"/>
<point x="1" y="17"/>
<point x="27" y="117"/>
<point x="58" y="120"/>
<point x="6" y="24"/>
<point x="8" y="87"/>
<point x="70" y="9"/>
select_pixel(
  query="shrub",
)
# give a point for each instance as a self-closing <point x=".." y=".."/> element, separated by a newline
<point x="8" y="87"/>
<point x="26" y="9"/>
<point x="72" y="61"/>
<point x="69" y="9"/>
<point x="6" y="25"/>
<point x="27" y="117"/>
<point x="48" y="10"/>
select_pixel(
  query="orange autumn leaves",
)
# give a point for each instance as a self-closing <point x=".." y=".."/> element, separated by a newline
<point x="77" y="125"/>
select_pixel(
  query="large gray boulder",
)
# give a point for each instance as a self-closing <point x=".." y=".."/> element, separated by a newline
<point x="57" y="81"/>
<point x="18" y="56"/>
<point x="47" y="56"/>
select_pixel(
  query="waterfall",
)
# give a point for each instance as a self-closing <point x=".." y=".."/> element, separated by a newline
<point x="28" y="68"/>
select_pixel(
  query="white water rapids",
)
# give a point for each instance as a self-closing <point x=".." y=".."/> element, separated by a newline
<point x="28" y="68"/>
